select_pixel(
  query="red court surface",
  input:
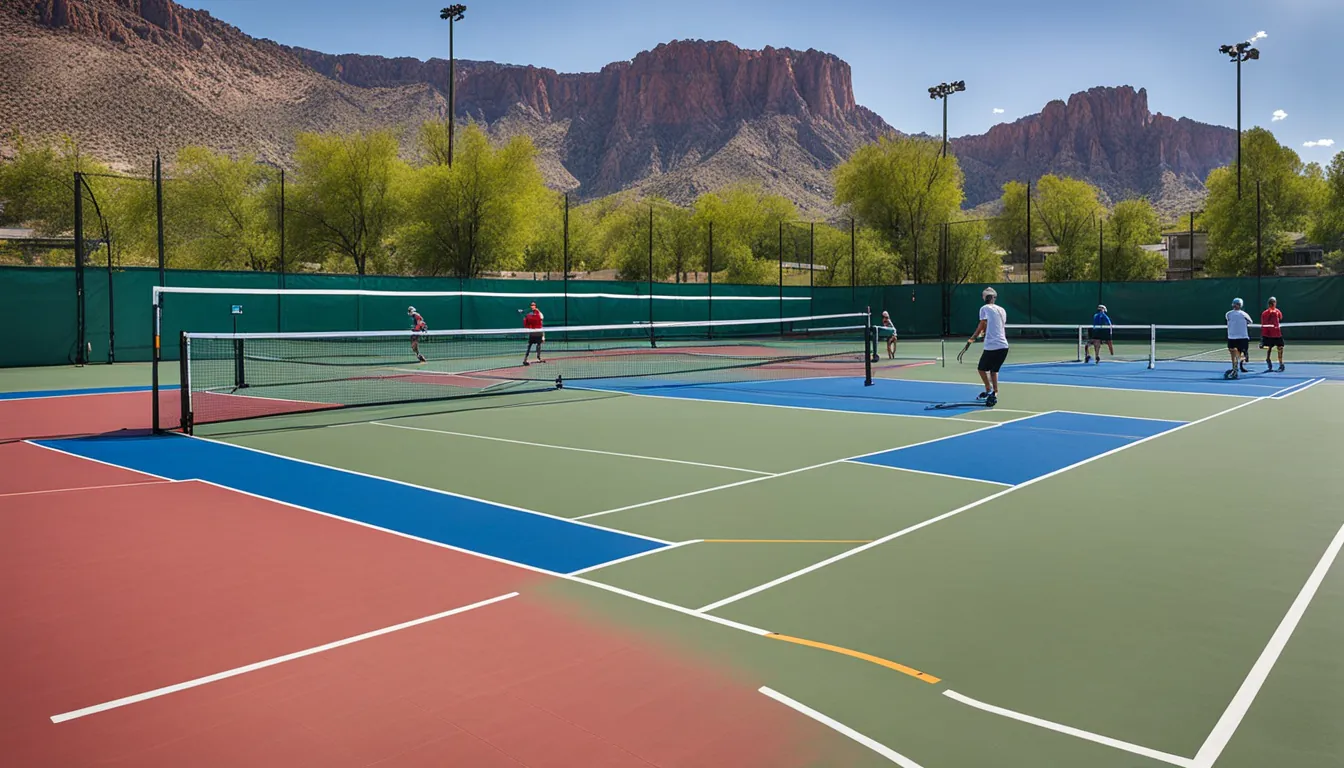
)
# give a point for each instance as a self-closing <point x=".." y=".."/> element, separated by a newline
<point x="27" y="468"/>
<point x="85" y="414"/>
<point x="117" y="591"/>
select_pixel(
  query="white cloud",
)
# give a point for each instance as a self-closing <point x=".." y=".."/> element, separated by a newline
<point x="1261" y="35"/>
<point x="1320" y="143"/>
<point x="998" y="111"/>
<point x="1279" y="114"/>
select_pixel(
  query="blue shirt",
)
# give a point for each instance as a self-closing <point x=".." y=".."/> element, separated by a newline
<point x="1100" y="320"/>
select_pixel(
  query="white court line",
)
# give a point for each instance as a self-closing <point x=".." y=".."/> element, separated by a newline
<point x="841" y="728"/>
<point x="157" y="692"/>
<point x="726" y="486"/>
<point x="635" y="556"/>
<point x="1136" y="749"/>
<point x="88" y="488"/>
<point x="575" y="520"/>
<point x="898" y="534"/>
<point x="569" y="448"/>
<point x="770" y="405"/>
<point x="146" y="391"/>
<point x="1236" y="710"/>
<point x="1117" y="416"/>
<point x="669" y="606"/>
<point x="934" y="474"/>
<point x="99" y="461"/>
<point x="1290" y="391"/>
<point x="1095" y="386"/>
<point x="286" y="400"/>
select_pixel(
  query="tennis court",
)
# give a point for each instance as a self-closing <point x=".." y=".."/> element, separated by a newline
<point x="724" y="562"/>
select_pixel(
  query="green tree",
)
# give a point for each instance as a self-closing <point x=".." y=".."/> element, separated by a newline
<point x="1132" y="224"/>
<point x="744" y="217"/>
<point x="903" y="188"/>
<point x="970" y="253"/>
<point x="227" y="211"/>
<point x="867" y="257"/>
<point x="681" y="240"/>
<point x="1327" y="225"/>
<point x="1285" y="194"/>
<point x="431" y="143"/>
<point x="1068" y="211"/>
<point x="37" y="186"/>
<point x="346" y="198"/>
<point x="1008" y="231"/>
<point x="479" y="214"/>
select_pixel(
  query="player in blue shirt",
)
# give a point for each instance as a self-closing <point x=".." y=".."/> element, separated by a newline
<point x="1102" y="330"/>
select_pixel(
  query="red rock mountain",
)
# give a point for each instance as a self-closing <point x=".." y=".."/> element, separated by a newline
<point x="131" y="76"/>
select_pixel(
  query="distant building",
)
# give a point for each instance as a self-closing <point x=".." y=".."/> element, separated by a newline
<point x="1302" y="259"/>
<point x="1185" y="254"/>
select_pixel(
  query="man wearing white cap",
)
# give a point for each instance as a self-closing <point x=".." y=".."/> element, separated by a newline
<point x="1102" y="330"/>
<point x="993" y="322"/>
<point x="1271" y="333"/>
<point x="1238" y="338"/>
<point x="889" y="328"/>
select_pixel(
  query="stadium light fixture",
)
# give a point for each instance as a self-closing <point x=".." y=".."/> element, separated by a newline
<point x="1237" y="53"/>
<point x="452" y="14"/>
<point x="942" y="91"/>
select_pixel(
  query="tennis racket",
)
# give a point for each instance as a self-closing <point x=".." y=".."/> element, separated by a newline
<point x="962" y="353"/>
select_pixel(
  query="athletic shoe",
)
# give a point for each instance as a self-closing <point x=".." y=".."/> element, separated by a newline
<point x="1234" y="373"/>
<point x="526" y="363"/>
<point x="982" y="396"/>
<point x="422" y="358"/>
<point x="1268" y="367"/>
<point x="1244" y="369"/>
<point x="1280" y="367"/>
<point x="1087" y="359"/>
<point x="991" y="401"/>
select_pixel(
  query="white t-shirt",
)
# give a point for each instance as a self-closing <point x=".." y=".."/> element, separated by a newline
<point x="995" y="318"/>
<point x="1238" y="325"/>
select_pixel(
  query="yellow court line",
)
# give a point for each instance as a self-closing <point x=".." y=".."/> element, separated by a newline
<point x="786" y="541"/>
<point x="881" y="662"/>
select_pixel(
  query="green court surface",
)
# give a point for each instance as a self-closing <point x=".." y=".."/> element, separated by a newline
<point x="1109" y="615"/>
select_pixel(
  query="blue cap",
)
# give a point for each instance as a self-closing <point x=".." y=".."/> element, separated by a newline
<point x="1237" y="302"/>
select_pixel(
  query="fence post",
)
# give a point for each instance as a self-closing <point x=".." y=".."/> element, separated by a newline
<point x="1029" y="250"/>
<point x="811" y="266"/>
<point x="564" y="259"/>
<point x="853" y="262"/>
<point x="1101" y="257"/>
<point x="781" y="276"/>
<point x="1259" y="251"/>
<point x="1192" y="245"/>
<point x="158" y="214"/>
<point x="651" y="336"/>
<point x="709" y="301"/>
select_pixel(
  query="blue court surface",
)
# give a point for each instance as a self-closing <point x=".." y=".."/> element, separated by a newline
<point x="519" y="536"/>
<point x="1017" y="451"/>
<point x="1204" y="378"/>
<point x="903" y="397"/>
<point x="32" y="394"/>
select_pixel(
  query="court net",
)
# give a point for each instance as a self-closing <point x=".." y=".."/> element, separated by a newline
<point x="1156" y="345"/>
<point x="231" y="376"/>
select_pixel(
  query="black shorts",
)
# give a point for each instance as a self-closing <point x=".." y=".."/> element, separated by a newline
<point x="1101" y="334"/>
<point x="1241" y="345"/>
<point x="1271" y="341"/>
<point x="535" y="338"/>
<point x="991" y="360"/>
<point x="415" y="337"/>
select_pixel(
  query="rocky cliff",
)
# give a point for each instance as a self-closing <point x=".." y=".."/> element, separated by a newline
<point x="132" y="76"/>
<point x="1104" y="135"/>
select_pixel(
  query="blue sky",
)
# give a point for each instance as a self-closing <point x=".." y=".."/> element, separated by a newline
<point x="1014" y="56"/>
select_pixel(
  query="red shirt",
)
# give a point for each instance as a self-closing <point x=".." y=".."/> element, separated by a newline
<point x="533" y="320"/>
<point x="418" y="322"/>
<point x="1269" y="323"/>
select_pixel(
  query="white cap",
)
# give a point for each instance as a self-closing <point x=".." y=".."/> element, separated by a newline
<point x="1237" y="302"/>
<point x="988" y="292"/>
<point x="409" y="310"/>
<point x="1273" y="300"/>
<point x="1101" y="307"/>
<point x="885" y="313"/>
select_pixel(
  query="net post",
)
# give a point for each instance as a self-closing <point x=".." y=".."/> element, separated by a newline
<point x="1078" y="351"/>
<point x="869" y="350"/>
<point x="1152" y="341"/>
<point x="239" y="370"/>
<point x="184" y="379"/>
<point x="154" y="361"/>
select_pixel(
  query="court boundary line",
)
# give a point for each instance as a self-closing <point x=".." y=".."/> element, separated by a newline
<point x="635" y="556"/>
<point x="1284" y="394"/>
<point x="771" y="405"/>
<point x="939" y="518"/>
<point x="1068" y="730"/>
<point x="1236" y="710"/>
<point x="439" y="491"/>
<point x="926" y="472"/>
<point x="147" y="483"/>
<point x="563" y="447"/>
<point x="711" y="489"/>
<point x="271" y="662"/>
<point x="1114" y="389"/>
<point x="80" y="393"/>
<point x="840" y="728"/>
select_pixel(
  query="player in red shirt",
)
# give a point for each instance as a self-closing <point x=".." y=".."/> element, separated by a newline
<point x="417" y="326"/>
<point x="532" y="321"/>
<point x="1271" y="334"/>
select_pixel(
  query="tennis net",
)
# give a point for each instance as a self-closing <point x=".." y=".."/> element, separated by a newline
<point x="1156" y="345"/>
<point x="232" y="376"/>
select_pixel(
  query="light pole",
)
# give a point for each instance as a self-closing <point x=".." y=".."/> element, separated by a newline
<point x="942" y="91"/>
<point x="1238" y="53"/>
<point x="451" y="14"/>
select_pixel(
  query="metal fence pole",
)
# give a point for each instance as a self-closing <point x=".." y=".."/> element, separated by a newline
<point x="781" y="276"/>
<point x="565" y="259"/>
<point x="853" y="262"/>
<point x="709" y="301"/>
<point x="79" y="269"/>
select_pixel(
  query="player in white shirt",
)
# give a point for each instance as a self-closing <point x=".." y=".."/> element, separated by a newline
<point x="889" y="329"/>
<point x="993" y="320"/>
<point x="1238" y="338"/>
